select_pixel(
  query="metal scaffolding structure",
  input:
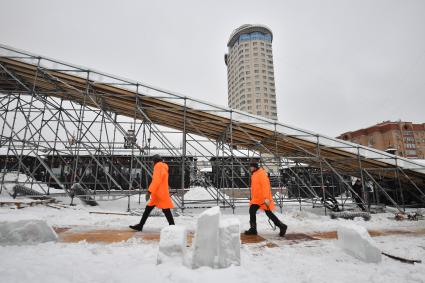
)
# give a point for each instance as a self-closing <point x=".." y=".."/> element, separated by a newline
<point x="101" y="131"/>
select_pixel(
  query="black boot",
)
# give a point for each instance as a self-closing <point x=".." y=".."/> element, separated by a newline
<point x="252" y="230"/>
<point x="137" y="227"/>
<point x="277" y="222"/>
<point x="169" y="216"/>
<point x="282" y="228"/>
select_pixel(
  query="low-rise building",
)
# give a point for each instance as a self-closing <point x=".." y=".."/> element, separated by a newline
<point x="401" y="138"/>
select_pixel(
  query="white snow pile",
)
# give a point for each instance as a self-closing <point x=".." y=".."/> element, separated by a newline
<point x="205" y="248"/>
<point x="200" y="193"/>
<point x="356" y="241"/>
<point x="172" y="245"/>
<point x="229" y="251"/>
<point x="26" y="232"/>
<point x="217" y="242"/>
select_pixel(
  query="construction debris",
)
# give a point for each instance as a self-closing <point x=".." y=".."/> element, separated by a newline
<point x="350" y="215"/>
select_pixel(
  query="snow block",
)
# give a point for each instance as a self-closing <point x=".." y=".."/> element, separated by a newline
<point x="205" y="248"/>
<point x="229" y="247"/>
<point x="26" y="232"/>
<point x="172" y="245"/>
<point x="356" y="241"/>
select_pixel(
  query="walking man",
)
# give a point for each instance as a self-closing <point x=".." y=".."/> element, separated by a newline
<point x="158" y="192"/>
<point x="358" y="189"/>
<point x="261" y="197"/>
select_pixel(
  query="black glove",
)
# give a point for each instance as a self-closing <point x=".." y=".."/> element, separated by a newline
<point x="148" y="195"/>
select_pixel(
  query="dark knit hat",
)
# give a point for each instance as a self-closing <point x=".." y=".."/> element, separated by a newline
<point x="253" y="164"/>
<point x="156" y="158"/>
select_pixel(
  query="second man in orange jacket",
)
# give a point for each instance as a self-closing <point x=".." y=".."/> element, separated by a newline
<point x="261" y="198"/>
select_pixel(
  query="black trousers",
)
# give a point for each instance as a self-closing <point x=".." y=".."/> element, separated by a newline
<point x="253" y="216"/>
<point x="148" y="211"/>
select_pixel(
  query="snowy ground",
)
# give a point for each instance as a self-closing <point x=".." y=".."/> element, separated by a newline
<point x="135" y="260"/>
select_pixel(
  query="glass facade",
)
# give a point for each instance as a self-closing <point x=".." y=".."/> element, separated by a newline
<point x="255" y="36"/>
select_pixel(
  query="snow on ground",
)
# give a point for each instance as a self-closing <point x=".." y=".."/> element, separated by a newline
<point x="200" y="193"/>
<point x="135" y="260"/>
<point x="13" y="178"/>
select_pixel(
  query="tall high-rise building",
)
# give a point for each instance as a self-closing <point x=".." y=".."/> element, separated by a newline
<point x="250" y="73"/>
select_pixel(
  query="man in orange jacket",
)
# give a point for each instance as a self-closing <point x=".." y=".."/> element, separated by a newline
<point x="261" y="197"/>
<point x="159" y="194"/>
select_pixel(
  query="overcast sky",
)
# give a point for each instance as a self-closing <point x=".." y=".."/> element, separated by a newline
<point x="339" y="65"/>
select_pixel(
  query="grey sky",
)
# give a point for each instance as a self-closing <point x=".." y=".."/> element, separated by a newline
<point x="339" y="65"/>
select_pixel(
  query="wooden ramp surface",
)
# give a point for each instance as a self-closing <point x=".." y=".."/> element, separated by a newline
<point x="111" y="235"/>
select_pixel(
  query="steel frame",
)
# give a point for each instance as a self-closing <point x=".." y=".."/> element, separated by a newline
<point x="56" y="112"/>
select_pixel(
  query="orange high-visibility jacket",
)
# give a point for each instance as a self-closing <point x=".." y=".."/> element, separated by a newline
<point x="160" y="196"/>
<point x="260" y="189"/>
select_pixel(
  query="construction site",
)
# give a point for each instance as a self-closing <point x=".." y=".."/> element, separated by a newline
<point x="62" y="124"/>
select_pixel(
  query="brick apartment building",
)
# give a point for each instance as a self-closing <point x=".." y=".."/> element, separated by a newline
<point x="406" y="138"/>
